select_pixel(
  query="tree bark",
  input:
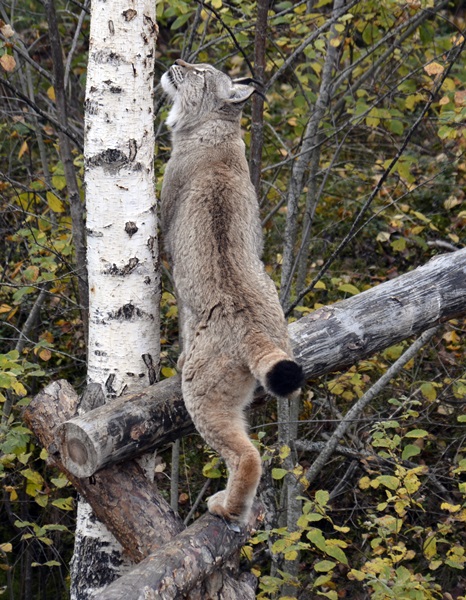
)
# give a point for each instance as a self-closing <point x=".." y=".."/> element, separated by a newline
<point x="329" y="339"/>
<point x="91" y="441"/>
<point x="193" y="555"/>
<point x="76" y="205"/>
<point x="257" y="113"/>
<point x="124" y="282"/>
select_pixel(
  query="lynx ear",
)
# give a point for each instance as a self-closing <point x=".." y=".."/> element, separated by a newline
<point x="240" y="93"/>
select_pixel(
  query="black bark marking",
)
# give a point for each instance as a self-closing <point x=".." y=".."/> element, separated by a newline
<point x="109" y="385"/>
<point x="125" y="270"/>
<point x="133" y="150"/>
<point x="129" y="14"/>
<point x="131" y="228"/>
<point x="147" y="358"/>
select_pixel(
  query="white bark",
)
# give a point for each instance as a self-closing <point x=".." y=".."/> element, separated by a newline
<point x="123" y="351"/>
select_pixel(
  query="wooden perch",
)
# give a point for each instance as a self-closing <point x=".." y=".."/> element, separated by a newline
<point x="120" y="496"/>
<point x="172" y="571"/>
<point x="132" y="509"/>
<point x="329" y="339"/>
<point x="127" y="426"/>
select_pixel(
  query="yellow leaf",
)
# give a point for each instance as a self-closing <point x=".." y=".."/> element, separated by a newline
<point x="51" y="93"/>
<point x="364" y="483"/>
<point x="19" y="388"/>
<point x="452" y="508"/>
<point x="444" y="100"/>
<point x="8" y="62"/>
<point x="451" y="202"/>
<point x="24" y="148"/>
<point x="168" y="372"/>
<point x="6" y="547"/>
<point x="45" y="354"/>
<point x="434" y="68"/>
<point x="4" y="308"/>
<point x="54" y="202"/>
<point x="430" y="547"/>
<point x="320" y="285"/>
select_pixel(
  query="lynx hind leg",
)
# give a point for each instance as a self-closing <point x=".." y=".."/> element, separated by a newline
<point x="215" y="393"/>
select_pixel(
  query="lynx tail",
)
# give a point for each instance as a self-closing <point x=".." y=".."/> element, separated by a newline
<point x="273" y="367"/>
<point x="284" y="377"/>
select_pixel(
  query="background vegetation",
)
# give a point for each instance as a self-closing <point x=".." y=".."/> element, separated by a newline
<point x="349" y="87"/>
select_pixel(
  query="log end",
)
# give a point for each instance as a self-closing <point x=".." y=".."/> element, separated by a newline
<point x="78" y="453"/>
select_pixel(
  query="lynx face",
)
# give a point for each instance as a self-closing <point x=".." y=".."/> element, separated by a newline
<point x="200" y="91"/>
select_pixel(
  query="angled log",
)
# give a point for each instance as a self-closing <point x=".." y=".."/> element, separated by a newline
<point x="172" y="571"/>
<point x="337" y="336"/>
<point x="120" y="496"/>
<point x="329" y="339"/>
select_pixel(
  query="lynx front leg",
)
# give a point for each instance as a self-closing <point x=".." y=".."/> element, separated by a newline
<point x="215" y="392"/>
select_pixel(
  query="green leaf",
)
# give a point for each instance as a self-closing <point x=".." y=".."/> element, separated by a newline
<point x="54" y="202"/>
<point x="279" y="473"/>
<point x="429" y="392"/>
<point x="322" y="497"/>
<point x="64" y="503"/>
<point x="337" y="553"/>
<point x="348" y="288"/>
<point x="324" y="566"/>
<point x="409" y="451"/>
<point x="389" y="481"/>
<point x="180" y="21"/>
<point x="416" y="433"/>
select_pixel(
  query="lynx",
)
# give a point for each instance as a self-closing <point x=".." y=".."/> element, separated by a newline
<point x="232" y="325"/>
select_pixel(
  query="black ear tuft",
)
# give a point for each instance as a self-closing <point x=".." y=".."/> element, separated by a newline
<point x="284" y="378"/>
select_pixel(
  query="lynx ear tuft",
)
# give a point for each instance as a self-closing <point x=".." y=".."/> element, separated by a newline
<point x="240" y="93"/>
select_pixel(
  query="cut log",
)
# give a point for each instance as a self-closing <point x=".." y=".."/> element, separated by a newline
<point x="172" y="571"/>
<point x="337" y="336"/>
<point x="329" y="339"/>
<point x="120" y="496"/>
<point x="126" y="426"/>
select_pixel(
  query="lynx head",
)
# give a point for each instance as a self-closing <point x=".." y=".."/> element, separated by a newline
<point x="201" y="91"/>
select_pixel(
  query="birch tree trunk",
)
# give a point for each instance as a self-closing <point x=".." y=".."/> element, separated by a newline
<point x="123" y="352"/>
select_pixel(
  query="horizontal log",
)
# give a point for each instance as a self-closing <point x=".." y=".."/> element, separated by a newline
<point x="329" y="339"/>
<point x="120" y="496"/>
<point x="126" y="426"/>
<point x="172" y="571"/>
<point x="131" y="507"/>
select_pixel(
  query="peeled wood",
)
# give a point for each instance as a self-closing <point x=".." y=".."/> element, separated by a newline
<point x="329" y="339"/>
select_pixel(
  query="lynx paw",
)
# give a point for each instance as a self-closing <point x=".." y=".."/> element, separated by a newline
<point x="217" y="505"/>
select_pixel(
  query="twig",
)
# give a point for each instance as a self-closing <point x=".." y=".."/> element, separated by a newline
<point x="257" y="114"/>
<point x="357" y="408"/>
<point x="351" y="233"/>
<point x="77" y="33"/>
<point x="294" y="56"/>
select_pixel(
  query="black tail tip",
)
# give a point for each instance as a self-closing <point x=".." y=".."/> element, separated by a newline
<point x="284" y="378"/>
